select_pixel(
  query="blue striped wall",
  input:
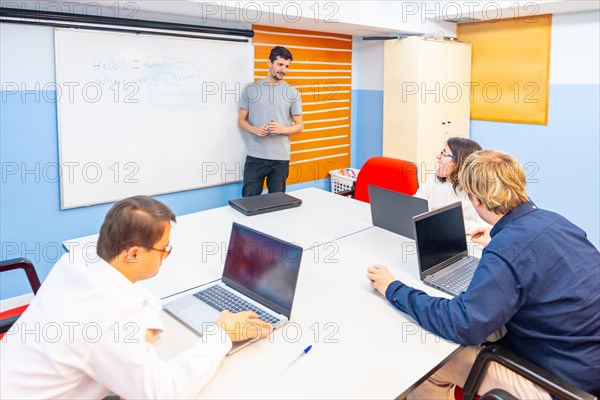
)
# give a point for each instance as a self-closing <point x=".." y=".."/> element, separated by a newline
<point x="32" y="224"/>
<point x="561" y="159"/>
<point x="367" y="125"/>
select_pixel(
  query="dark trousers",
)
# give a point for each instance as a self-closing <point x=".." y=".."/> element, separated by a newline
<point x="257" y="169"/>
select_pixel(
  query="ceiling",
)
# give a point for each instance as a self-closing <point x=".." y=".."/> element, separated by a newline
<point x="361" y="18"/>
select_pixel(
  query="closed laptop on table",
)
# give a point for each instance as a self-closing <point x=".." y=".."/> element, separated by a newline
<point x="264" y="203"/>
<point x="393" y="211"/>
<point x="444" y="262"/>
<point x="260" y="275"/>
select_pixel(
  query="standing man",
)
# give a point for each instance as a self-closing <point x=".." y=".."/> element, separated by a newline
<point x="538" y="276"/>
<point x="270" y="111"/>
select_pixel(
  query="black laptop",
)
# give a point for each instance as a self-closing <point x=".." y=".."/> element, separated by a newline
<point x="444" y="262"/>
<point x="393" y="211"/>
<point x="264" y="203"/>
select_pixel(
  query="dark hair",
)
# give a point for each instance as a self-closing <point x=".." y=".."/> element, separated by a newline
<point x="280" y="51"/>
<point x="461" y="148"/>
<point x="137" y="220"/>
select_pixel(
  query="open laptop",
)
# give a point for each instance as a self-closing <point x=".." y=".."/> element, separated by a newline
<point x="260" y="275"/>
<point x="393" y="211"/>
<point x="444" y="262"/>
<point x="264" y="203"/>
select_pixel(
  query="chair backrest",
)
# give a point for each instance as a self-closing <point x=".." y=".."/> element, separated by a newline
<point x="8" y="317"/>
<point x="388" y="173"/>
<point x="529" y="371"/>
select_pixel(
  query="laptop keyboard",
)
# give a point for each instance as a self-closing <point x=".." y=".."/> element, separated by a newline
<point x="458" y="279"/>
<point x="222" y="299"/>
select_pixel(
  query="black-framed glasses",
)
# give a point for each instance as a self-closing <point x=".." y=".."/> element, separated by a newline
<point x="443" y="153"/>
<point x="165" y="252"/>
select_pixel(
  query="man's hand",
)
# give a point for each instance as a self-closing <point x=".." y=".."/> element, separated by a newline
<point x="261" y="131"/>
<point x="481" y="235"/>
<point x="243" y="325"/>
<point x="275" y="128"/>
<point x="380" y="278"/>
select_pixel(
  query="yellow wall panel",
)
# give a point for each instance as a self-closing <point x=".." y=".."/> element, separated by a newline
<point x="510" y="68"/>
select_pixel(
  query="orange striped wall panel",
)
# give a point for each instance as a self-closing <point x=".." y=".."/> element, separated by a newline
<point x="321" y="71"/>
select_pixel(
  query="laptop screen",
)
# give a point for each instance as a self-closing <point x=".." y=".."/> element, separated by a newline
<point x="262" y="267"/>
<point x="440" y="237"/>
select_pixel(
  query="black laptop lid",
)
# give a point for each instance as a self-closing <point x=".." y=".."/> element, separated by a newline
<point x="262" y="267"/>
<point x="440" y="238"/>
<point x="264" y="203"/>
<point x="393" y="211"/>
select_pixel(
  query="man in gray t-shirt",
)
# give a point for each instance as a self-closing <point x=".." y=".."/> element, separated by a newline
<point x="270" y="111"/>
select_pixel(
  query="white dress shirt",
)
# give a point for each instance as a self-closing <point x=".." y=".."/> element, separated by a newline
<point x="440" y="194"/>
<point x="84" y="335"/>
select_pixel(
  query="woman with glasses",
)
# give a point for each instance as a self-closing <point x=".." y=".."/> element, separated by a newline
<point x="442" y="188"/>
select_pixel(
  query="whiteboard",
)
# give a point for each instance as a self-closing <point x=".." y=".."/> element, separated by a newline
<point x="141" y="114"/>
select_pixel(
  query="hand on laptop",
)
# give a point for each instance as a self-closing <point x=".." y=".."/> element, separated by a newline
<point x="243" y="325"/>
<point x="481" y="235"/>
<point x="380" y="277"/>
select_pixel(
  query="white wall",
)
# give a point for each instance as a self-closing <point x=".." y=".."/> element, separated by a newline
<point x="34" y="68"/>
<point x="407" y="16"/>
<point x="575" y="58"/>
<point x="367" y="64"/>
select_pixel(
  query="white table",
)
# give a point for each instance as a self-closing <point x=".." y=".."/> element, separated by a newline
<point x="362" y="346"/>
<point x="200" y="239"/>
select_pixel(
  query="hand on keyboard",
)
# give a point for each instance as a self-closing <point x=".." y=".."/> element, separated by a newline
<point x="243" y="325"/>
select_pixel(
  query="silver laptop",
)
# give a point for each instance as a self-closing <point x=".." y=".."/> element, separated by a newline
<point x="444" y="262"/>
<point x="260" y="275"/>
<point x="393" y="211"/>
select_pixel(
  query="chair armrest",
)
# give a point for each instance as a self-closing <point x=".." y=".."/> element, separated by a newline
<point x="524" y="368"/>
<point x="6" y="323"/>
<point x="347" y="193"/>
<point x="498" y="394"/>
<point x="27" y="266"/>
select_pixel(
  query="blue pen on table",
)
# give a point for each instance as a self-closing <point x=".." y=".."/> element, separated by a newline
<point x="304" y="352"/>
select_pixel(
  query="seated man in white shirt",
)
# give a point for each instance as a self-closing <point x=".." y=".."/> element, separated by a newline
<point x="89" y="329"/>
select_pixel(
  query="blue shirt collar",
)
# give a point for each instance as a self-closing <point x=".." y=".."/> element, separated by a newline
<point x="517" y="212"/>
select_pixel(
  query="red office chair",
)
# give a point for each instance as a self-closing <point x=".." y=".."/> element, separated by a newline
<point x="385" y="172"/>
<point x="8" y="317"/>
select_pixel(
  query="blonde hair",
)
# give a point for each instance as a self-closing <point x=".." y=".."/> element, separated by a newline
<point x="495" y="178"/>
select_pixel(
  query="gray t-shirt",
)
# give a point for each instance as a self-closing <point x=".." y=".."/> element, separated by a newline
<point x="266" y="103"/>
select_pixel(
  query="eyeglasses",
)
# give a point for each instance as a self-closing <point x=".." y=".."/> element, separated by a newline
<point x="443" y="153"/>
<point x="165" y="252"/>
